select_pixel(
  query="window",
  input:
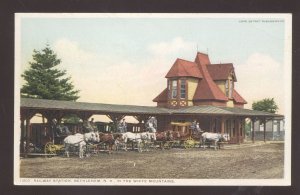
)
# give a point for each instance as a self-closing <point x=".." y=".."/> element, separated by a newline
<point x="182" y="89"/>
<point x="174" y="89"/>
<point x="169" y="89"/>
<point x="227" y="88"/>
<point x="230" y="88"/>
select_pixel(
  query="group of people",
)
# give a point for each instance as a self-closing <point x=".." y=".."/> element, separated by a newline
<point x="90" y="126"/>
<point x="150" y="125"/>
<point x="122" y="126"/>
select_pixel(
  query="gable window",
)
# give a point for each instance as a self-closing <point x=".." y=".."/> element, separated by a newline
<point x="174" y="88"/>
<point x="169" y="89"/>
<point x="230" y="89"/>
<point x="227" y="88"/>
<point x="182" y="89"/>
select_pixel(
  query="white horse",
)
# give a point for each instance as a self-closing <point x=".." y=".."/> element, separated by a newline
<point x="135" y="138"/>
<point x="147" y="138"/>
<point x="214" y="137"/>
<point x="80" y="140"/>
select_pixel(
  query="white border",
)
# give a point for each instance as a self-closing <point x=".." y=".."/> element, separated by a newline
<point x="286" y="181"/>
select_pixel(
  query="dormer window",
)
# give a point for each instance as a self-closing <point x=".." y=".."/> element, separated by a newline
<point x="229" y="85"/>
<point x="230" y="88"/>
<point x="227" y="88"/>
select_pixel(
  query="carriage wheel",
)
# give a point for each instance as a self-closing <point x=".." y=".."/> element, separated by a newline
<point x="50" y="148"/>
<point x="189" y="143"/>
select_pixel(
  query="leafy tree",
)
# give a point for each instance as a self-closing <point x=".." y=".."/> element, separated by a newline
<point x="267" y="105"/>
<point x="45" y="81"/>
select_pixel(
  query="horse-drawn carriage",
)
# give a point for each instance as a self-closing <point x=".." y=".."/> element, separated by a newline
<point x="56" y="144"/>
<point x="181" y="135"/>
<point x="188" y="138"/>
<point x="184" y="134"/>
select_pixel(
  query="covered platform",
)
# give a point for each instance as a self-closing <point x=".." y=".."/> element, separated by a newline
<point x="211" y="118"/>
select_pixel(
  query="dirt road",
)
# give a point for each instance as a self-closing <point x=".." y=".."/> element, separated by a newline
<point x="262" y="161"/>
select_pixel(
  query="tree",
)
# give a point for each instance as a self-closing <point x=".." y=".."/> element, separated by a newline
<point x="267" y="105"/>
<point x="45" y="81"/>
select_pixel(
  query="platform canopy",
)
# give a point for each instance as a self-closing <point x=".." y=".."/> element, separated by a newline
<point x="67" y="107"/>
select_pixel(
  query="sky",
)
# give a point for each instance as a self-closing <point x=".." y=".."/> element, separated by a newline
<point x="119" y="59"/>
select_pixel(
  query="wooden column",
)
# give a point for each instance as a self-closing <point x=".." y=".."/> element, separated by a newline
<point x="23" y="128"/>
<point x="141" y="118"/>
<point x="243" y="128"/>
<point x="26" y="115"/>
<point x="272" y="129"/>
<point x="84" y="115"/>
<point x="278" y="127"/>
<point x="212" y="124"/>
<point x="252" y="125"/>
<point x="115" y="118"/>
<point x="223" y="119"/>
<point x="27" y="136"/>
<point x="264" y="121"/>
<point x="51" y="127"/>
<point x="238" y="121"/>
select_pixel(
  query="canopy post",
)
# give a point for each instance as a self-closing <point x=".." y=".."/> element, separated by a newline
<point x="264" y="121"/>
<point x="115" y="118"/>
<point x="222" y="124"/>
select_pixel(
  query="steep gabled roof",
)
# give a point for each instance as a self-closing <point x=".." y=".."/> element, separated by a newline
<point x="202" y="59"/>
<point x="207" y="88"/>
<point x="208" y="91"/>
<point x="221" y="71"/>
<point x="207" y="73"/>
<point x="238" y="98"/>
<point x="184" y="68"/>
<point x="162" y="97"/>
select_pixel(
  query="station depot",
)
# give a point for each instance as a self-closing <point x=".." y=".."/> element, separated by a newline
<point x="195" y="91"/>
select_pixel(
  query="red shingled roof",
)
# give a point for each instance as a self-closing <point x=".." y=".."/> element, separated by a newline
<point x="238" y="98"/>
<point x="184" y="68"/>
<point x="202" y="59"/>
<point x="220" y="71"/>
<point x="162" y="97"/>
<point x="207" y="88"/>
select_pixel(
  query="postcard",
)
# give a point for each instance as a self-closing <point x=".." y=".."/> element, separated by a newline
<point x="120" y="99"/>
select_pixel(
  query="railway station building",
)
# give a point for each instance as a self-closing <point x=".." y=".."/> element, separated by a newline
<point x="195" y="90"/>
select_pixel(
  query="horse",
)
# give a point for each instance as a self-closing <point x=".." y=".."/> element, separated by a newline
<point x="148" y="136"/>
<point x="80" y="140"/>
<point x="173" y="135"/>
<point x="135" y="138"/>
<point x="108" y="139"/>
<point x="167" y="135"/>
<point x="214" y="137"/>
